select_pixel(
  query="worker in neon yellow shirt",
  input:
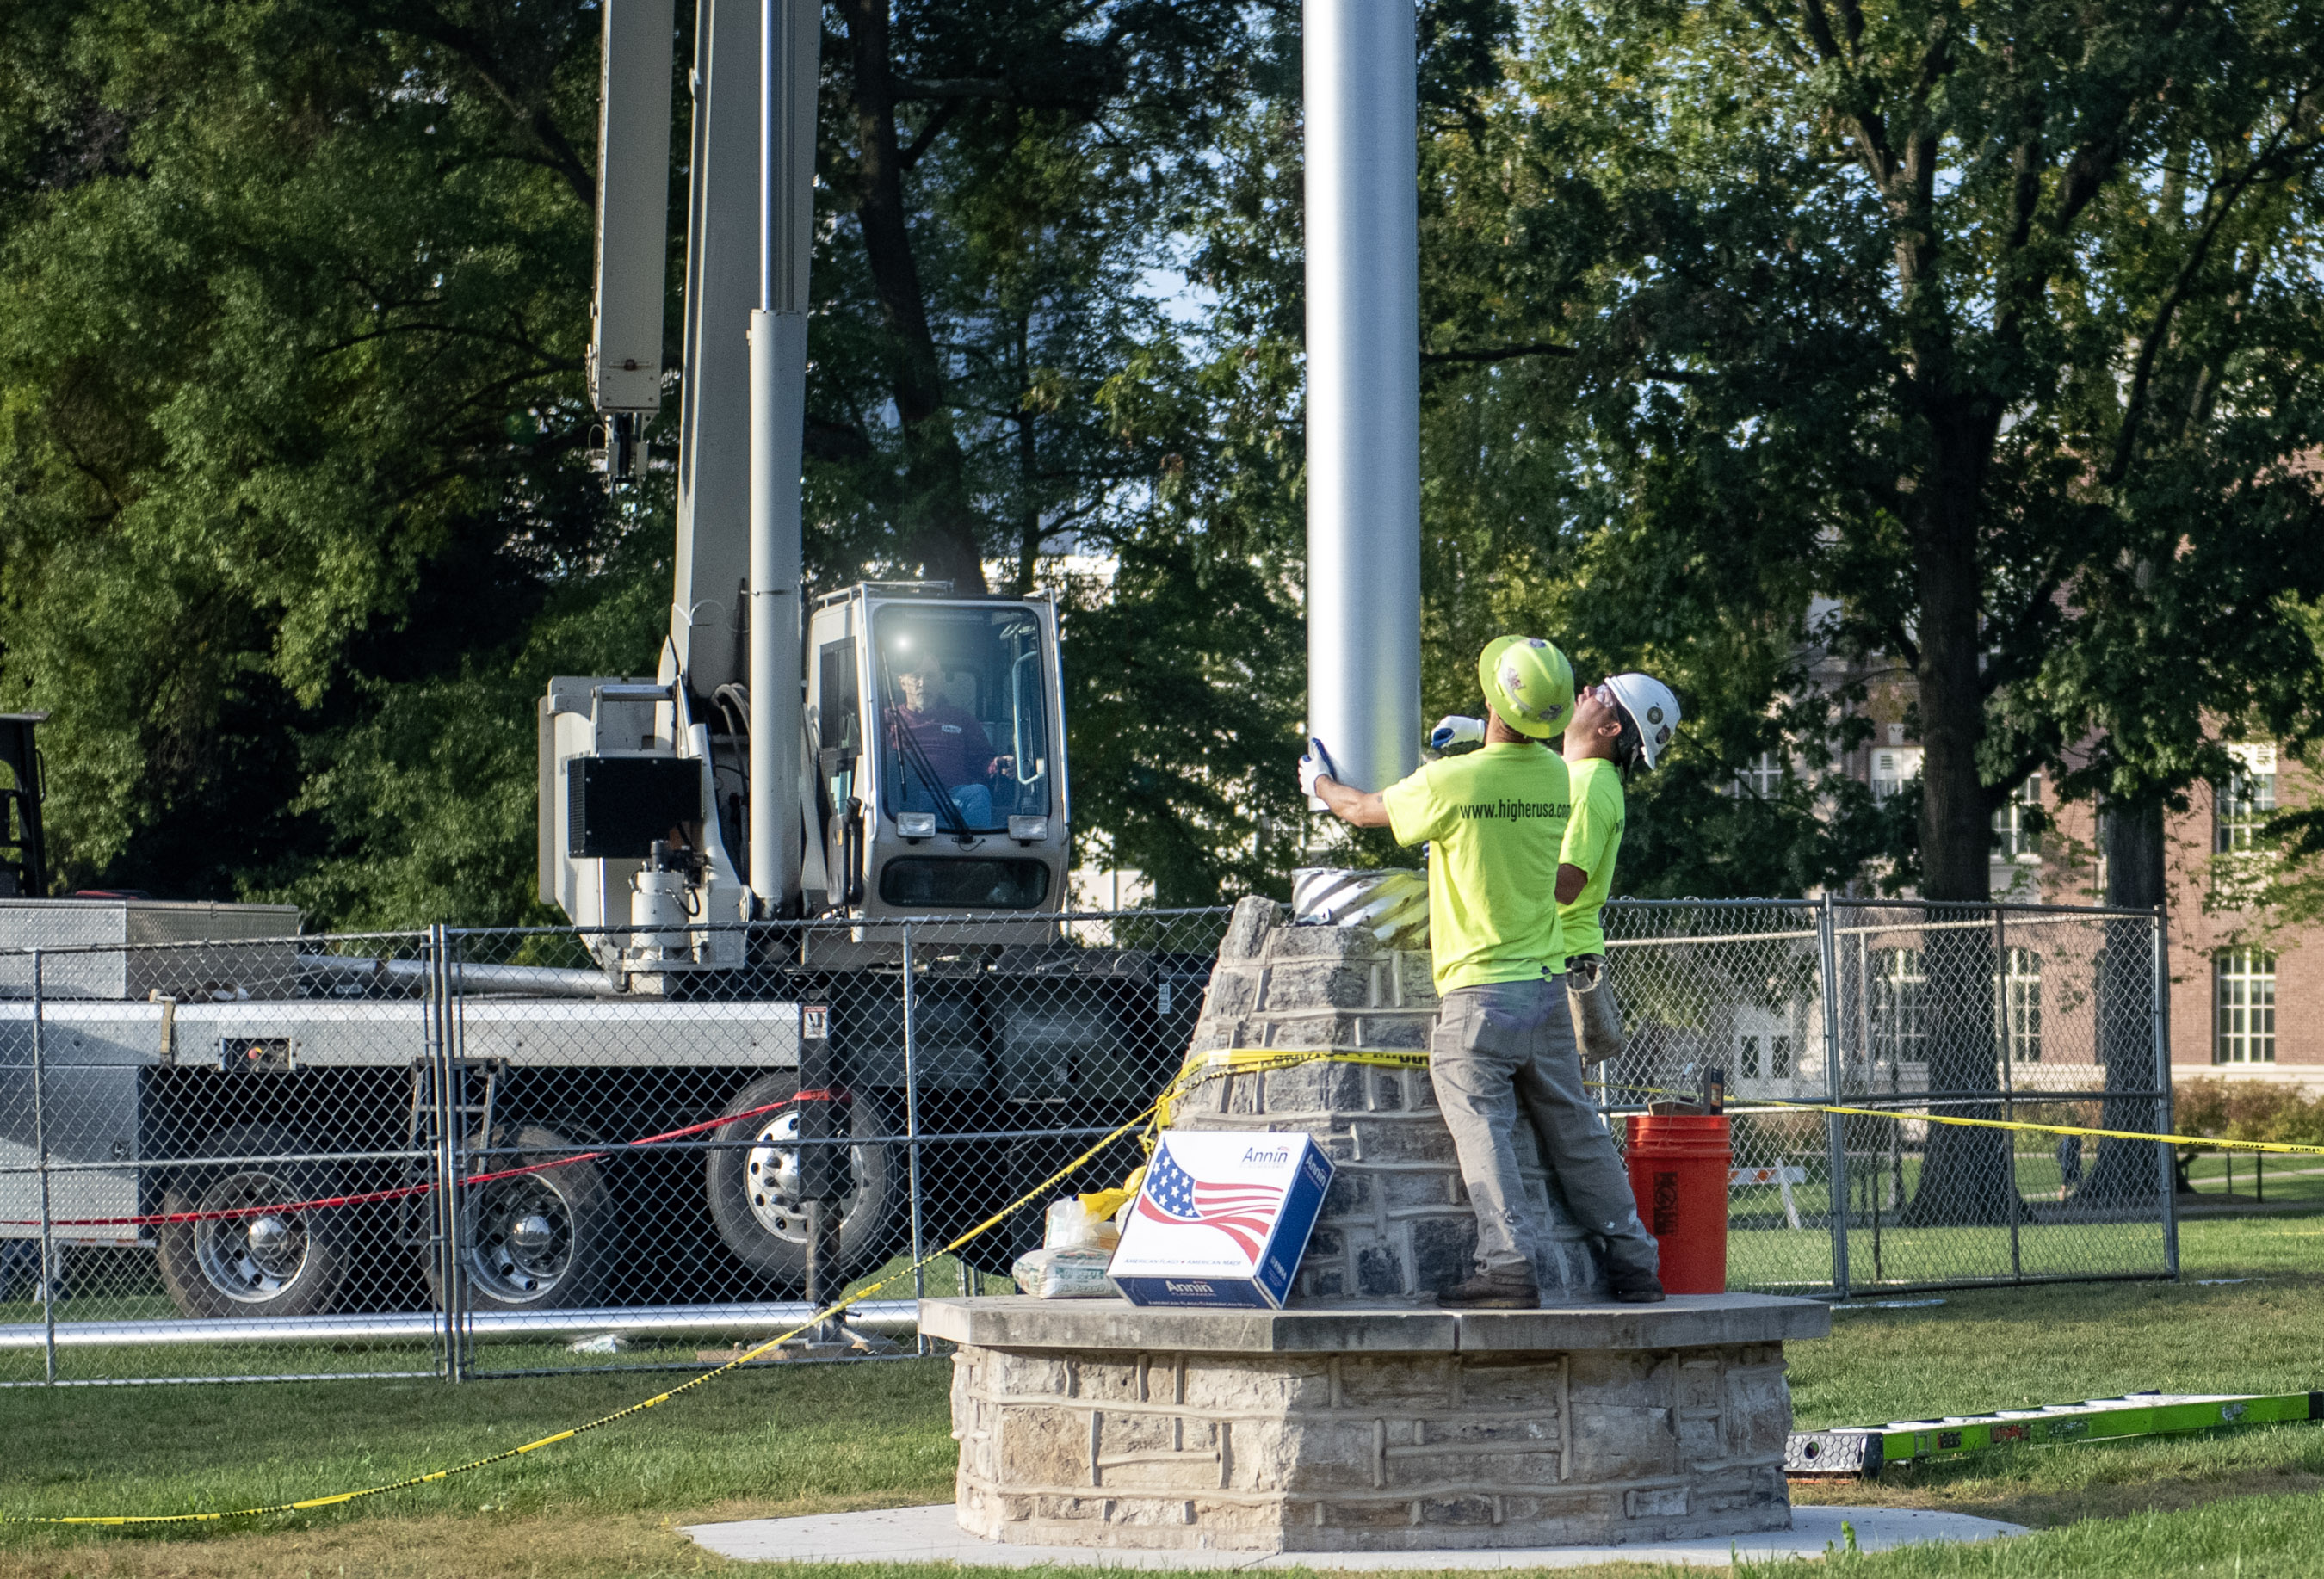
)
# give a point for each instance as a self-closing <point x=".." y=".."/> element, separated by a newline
<point x="1503" y="1046"/>
<point x="1617" y="724"/>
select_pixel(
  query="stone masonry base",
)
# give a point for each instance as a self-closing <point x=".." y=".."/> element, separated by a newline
<point x="1369" y="1430"/>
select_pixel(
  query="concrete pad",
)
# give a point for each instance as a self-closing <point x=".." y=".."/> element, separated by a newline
<point x="1682" y="1321"/>
<point x="931" y="1535"/>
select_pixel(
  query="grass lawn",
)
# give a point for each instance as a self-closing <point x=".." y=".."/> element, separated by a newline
<point x="800" y="1439"/>
<point x="2273" y="1179"/>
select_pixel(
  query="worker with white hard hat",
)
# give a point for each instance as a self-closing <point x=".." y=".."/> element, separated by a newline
<point x="1495" y="822"/>
<point x="1617" y="724"/>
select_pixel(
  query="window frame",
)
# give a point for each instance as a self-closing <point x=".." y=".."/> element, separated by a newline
<point x="2240" y="805"/>
<point x="2238" y="1036"/>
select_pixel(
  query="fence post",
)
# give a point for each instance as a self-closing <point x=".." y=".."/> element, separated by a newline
<point x="442" y="1075"/>
<point x="2161" y="1030"/>
<point x="912" y="1135"/>
<point x="48" y="1268"/>
<point x="1835" y="1138"/>
<point x="2008" y="1083"/>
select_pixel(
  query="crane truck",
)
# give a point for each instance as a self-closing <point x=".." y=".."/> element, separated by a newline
<point x="735" y="838"/>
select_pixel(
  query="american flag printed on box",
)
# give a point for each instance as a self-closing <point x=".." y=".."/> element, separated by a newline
<point x="1221" y="1219"/>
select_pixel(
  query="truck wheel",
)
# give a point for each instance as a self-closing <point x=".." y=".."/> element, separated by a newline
<point x="255" y="1263"/>
<point x="539" y="1240"/>
<point x="752" y="1179"/>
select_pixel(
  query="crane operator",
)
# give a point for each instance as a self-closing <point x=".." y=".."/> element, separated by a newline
<point x="944" y="749"/>
<point x="1503" y="1044"/>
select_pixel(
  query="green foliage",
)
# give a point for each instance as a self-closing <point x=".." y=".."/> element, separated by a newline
<point x="1977" y="343"/>
<point x="296" y="521"/>
<point x="287" y="398"/>
<point x="1176" y="761"/>
<point x="293" y="520"/>
<point x="2246" y="1110"/>
<point x="425" y="797"/>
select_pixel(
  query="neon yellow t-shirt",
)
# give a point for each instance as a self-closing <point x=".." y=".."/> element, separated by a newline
<point x="1593" y="837"/>
<point x="1494" y="820"/>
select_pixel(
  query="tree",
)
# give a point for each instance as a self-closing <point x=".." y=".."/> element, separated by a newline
<point x="296" y="517"/>
<point x="296" y="297"/>
<point x="1988" y="328"/>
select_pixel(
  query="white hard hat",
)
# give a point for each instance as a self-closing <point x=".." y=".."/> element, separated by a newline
<point x="1653" y="709"/>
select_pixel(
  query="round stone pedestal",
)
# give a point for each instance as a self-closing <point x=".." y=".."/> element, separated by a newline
<point x="1096" y="1423"/>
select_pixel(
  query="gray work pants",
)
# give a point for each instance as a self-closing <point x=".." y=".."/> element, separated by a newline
<point x="1504" y="1050"/>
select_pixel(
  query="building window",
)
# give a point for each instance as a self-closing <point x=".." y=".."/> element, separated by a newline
<point x="1896" y="991"/>
<point x="1894" y="767"/>
<point x="2242" y="1015"/>
<point x="2021" y="982"/>
<point x="2246" y="801"/>
<point x="1779" y="1057"/>
<point x="2013" y="830"/>
<point x="1762" y="776"/>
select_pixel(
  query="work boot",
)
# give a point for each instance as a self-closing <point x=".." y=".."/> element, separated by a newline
<point x="1636" y="1288"/>
<point x="1489" y="1291"/>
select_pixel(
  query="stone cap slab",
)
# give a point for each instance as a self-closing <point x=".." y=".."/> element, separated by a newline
<point x="1683" y="1321"/>
<point x="1019" y="1321"/>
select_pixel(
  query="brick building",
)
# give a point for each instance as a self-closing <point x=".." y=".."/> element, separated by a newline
<point x="2246" y="998"/>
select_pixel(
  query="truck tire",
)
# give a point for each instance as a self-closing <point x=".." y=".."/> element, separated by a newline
<point x="257" y="1264"/>
<point x="542" y="1240"/>
<point x="752" y="1176"/>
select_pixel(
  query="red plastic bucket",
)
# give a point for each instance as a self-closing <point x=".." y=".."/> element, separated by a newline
<point x="1679" y="1166"/>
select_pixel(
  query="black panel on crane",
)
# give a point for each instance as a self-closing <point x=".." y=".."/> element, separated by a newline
<point x="616" y="807"/>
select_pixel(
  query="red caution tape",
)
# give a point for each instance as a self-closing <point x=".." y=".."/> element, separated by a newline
<point x="404" y="1192"/>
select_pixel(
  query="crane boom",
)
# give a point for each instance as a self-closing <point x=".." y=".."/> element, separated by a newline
<point x="792" y="32"/>
<point x="722" y="287"/>
<point x="938" y="782"/>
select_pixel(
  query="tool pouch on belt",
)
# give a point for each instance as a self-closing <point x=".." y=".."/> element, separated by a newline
<point x="1597" y="1018"/>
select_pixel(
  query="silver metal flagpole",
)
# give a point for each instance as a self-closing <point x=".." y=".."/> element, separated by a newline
<point x="1363" y="387"/>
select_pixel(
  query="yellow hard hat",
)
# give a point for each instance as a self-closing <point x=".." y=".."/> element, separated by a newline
<point x="1528" y="684"/>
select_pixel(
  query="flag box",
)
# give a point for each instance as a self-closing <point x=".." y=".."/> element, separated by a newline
<point x="1221" y="1220"/>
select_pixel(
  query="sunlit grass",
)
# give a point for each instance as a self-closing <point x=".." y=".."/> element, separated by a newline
<point x="797" y="1439"/>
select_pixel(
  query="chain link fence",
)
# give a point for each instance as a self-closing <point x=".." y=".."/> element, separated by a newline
<point x="2039" y="1015"/>
<point x="462" y="1154"/>
<point x="470" y="1153"/>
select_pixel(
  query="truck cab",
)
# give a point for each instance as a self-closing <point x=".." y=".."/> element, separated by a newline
<point x="933" y="782"/>
<point x="935" y="738"/>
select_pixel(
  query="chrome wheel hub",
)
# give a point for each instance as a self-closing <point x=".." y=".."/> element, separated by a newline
<point x="250" y="1259"/>
<point x="521" y="1238"/>
<point x="771" y="1177"/>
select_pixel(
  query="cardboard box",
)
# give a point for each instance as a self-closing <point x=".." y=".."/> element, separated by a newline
<point x="1221" y="1220"/>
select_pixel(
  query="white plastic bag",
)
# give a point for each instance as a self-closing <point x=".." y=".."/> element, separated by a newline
<point x="1070" y="1227"/>
<point x="1064" y="1274"/>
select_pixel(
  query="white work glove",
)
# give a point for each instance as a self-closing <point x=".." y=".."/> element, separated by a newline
<point x="1453" y="730"/>
<point x="1318" y="764"/>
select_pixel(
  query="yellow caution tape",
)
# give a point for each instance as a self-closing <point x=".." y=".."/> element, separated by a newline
<point x="337" y="1497"/>
<point x="1203" y="1067"/>
<point x="1242" y="1060"/>
<point x="1198" y="1070"/>
<point x="2009" y="1123"/>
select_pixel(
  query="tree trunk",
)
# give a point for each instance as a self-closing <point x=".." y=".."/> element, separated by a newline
<point x="935" y="524"/>
<point x="1968" y="1175"/>
<point x="2124" y="1174"/>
